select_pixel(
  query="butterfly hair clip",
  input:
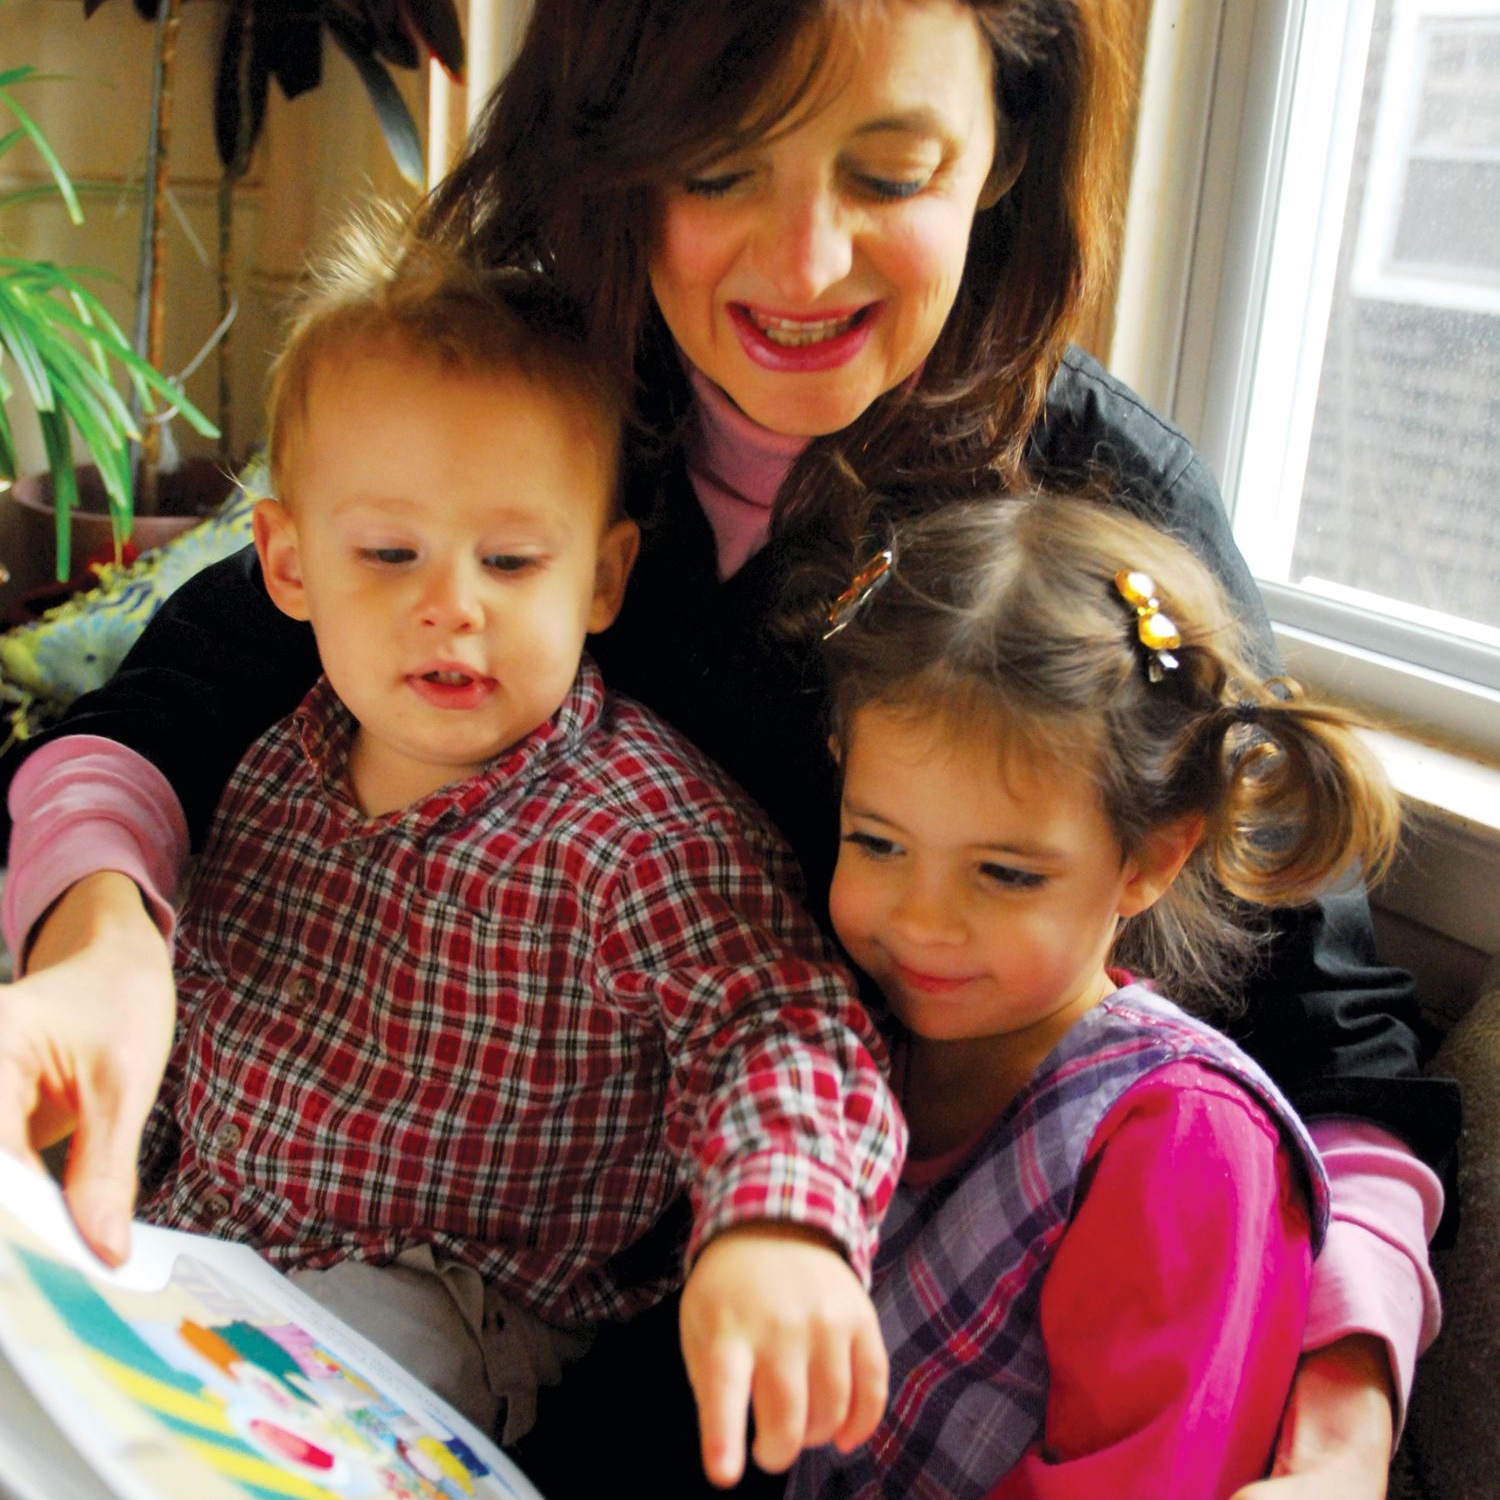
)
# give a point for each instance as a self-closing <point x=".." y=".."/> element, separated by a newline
<point x="864" y="583"/>
<point x="1155" y="630"/>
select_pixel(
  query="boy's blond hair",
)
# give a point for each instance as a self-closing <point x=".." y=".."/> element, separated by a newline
<point x="382" y="282"/>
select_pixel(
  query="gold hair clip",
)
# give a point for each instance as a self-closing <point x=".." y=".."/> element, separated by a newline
<point x="865" y="582"/>
<point x="1155" y="630"/>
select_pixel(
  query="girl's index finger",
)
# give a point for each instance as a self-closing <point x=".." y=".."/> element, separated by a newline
<point x="720" y="1378"/>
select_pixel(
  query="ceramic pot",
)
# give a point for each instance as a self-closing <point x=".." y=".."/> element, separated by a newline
<point x="28" y="532"/>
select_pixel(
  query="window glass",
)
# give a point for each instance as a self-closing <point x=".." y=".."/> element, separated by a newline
<point x="1367" y="485"/>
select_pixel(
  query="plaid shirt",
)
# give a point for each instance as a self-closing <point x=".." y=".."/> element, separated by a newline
<point x="514" y="1021"/>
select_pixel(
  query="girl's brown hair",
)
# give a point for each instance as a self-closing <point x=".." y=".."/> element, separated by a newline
<point x="1004" y="617"/>
<point x="609" y="103"/>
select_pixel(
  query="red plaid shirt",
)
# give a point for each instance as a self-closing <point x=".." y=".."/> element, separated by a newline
<point x="514" y="1021"/>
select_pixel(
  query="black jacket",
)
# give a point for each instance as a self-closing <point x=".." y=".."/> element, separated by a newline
<point x="1338" y="1030"/>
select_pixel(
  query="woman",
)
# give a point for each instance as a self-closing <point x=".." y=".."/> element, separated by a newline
<point x="841" y="245"/>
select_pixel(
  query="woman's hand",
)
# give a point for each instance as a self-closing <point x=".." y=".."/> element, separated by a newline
<point x="773" y="1316"/>
<point x="1336" y="1436"/>
<point x="84" y="1040"/>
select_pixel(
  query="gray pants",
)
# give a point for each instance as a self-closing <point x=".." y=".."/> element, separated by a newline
<point x="482" y="1353"/>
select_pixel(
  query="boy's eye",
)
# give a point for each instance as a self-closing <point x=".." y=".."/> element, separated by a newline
<point x="1012" y="878"/>
<point x="872" y="845"/>
<point x="509" y="562"/>
<point x="388" y="555"/>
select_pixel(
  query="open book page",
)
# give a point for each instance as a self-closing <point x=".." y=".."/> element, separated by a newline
<point x="198" y="1372"/>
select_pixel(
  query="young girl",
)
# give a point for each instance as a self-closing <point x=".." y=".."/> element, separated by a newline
<point x="1056" y="763"/>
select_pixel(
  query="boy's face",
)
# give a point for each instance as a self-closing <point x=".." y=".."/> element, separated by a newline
<point x="449" y="535"/>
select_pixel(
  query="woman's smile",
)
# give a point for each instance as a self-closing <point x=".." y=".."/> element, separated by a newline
<point x="809" y="273"/>
<point x="778" y="342"/>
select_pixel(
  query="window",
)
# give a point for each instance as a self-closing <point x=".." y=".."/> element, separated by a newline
<point x="1334" y="348"/>
<point x="1434" y="157"/>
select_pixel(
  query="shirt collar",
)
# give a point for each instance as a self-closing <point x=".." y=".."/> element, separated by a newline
<point x="324" y="728"/>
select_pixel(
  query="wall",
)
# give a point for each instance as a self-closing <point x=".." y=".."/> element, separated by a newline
<point x="319" y="154"/>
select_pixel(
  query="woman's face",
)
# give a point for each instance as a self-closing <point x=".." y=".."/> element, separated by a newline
<point x="810" y="274"/>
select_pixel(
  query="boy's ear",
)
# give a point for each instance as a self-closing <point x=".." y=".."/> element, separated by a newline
<point x="1151" y="870"/>
<point x="617" y="553"/>
<point x="280" y="561"/>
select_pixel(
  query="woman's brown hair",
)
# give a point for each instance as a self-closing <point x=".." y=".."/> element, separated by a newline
<point x="1005" y="617"/>
<point x="610" y="101"/>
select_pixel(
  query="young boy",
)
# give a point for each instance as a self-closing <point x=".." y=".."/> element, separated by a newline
<point x="483" y="967"/>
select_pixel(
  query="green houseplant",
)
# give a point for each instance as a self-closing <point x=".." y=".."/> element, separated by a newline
<point x="60" y="348"/>
<point x="266" y="41"/>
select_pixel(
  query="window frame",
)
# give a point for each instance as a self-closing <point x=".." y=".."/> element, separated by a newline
<point x="1200" y="257"/>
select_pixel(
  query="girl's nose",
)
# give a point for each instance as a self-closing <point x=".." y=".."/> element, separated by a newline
<point x="923" y="912"/>
<point x="450" y="599"/>
<point x="805" y="245"/>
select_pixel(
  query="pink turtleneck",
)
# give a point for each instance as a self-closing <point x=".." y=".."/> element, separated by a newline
<point x="736" y="467"/>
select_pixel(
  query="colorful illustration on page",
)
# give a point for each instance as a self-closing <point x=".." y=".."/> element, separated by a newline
<point x="195" y="1388"/>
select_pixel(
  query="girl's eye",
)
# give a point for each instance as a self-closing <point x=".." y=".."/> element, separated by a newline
<point x="509" y="562"/>
<point x="1012" y="878"/>
<point x="872" y="845"/>
<point x="390" y="556"/>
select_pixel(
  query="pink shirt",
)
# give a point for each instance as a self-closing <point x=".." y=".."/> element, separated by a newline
<point x="1173" y="1311"/>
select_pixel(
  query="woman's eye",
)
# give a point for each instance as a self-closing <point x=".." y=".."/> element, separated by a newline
<point x="389" y="556"/>
<point x="890" y="189"/>
<point x="713" y="184"/>
<point x="1012" y="878"/>
<point x="872" y="844"/>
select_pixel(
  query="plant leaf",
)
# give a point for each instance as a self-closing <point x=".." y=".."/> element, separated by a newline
<point x="288" y="49"/>
<point x="436" y="24"/>
<point x="18" y="338"/>
<point x="48" y="155"/>
<point x="7" y="442"/>
<point x="64" y="486"/>
<point x="241" y="89"/>
<point x="396" y="123"/>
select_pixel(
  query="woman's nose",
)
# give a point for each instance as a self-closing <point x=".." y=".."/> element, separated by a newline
<point x="450" y="599"/>
<point x="806" y="247"/>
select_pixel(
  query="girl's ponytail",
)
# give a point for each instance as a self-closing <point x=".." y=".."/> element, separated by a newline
<point x="1304" y="798"/>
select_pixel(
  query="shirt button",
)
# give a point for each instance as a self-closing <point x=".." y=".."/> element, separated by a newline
<point x="301" y="990"/>
<point x="228" y="1137"/>
<point x="215" y="1206"/>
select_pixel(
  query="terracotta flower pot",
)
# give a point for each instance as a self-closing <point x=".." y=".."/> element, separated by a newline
<point x="28" y="546"/>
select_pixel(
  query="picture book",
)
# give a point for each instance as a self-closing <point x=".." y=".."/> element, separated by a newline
<point x="198" y="1372"/>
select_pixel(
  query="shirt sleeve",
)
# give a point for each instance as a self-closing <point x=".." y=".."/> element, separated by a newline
<point x="778" y="1105"/>
<point x="1372" y="1275"/>
<point x="1173" y="1311"/>
<point x="82" y="805"/>
<point x="214" y="668"/>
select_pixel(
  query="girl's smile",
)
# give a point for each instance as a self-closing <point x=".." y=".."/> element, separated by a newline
<point x="985" y="914"/>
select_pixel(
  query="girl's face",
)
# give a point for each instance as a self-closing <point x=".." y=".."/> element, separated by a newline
<point x="810" y="274"/>
<point x="983" y="897"/>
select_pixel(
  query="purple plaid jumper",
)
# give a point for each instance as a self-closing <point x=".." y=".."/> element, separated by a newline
<point x="959" y="1272"/>
<point x="515" y="1021"/>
